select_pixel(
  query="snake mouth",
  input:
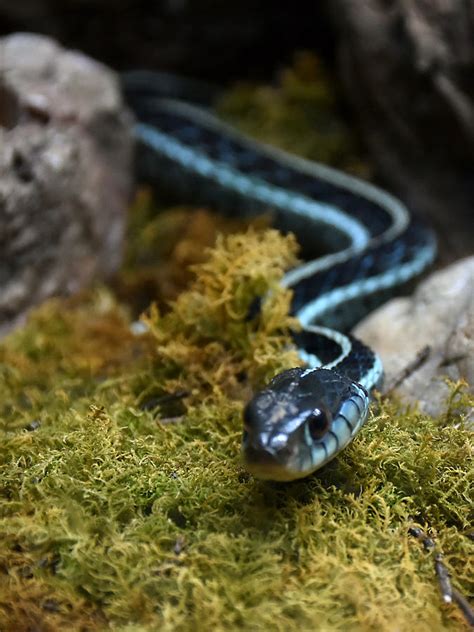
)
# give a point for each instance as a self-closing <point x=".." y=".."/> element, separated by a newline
<point x="269" y="465"/>
<point x="272" y="472"/>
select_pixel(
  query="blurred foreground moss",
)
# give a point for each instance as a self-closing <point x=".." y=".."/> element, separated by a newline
<point x="116" y="512"/>
<point x="123" y="501"/>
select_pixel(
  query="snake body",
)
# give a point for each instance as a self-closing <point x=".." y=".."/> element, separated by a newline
<point x="372" y="246"/>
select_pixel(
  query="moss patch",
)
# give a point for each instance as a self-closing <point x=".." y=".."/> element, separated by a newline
<point x="114" y="512"/>
<point x="123" y="501"/>
<point x="298" y="114"/>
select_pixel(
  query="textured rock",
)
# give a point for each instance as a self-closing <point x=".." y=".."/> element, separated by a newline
<point x="440" y="315"/>
<point x="65" y="153"/>
<point x="408" y="70"/>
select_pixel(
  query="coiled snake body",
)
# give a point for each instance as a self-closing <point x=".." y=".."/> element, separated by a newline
<point x="304" y="416"/>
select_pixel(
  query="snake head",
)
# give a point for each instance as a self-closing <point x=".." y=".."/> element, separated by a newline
<point x="300" y="421"/>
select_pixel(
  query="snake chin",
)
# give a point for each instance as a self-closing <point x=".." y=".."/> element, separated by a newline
<point x="273" y="472"/>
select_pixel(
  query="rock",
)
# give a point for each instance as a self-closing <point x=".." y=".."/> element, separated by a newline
<point x="440" y="315"/>
<point x="65" y="172"/>
<point x="407" y="68"/>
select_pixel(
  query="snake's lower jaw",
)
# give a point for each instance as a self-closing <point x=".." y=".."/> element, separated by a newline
<point x="268" y="467"/>
<point x="266" y="472"/>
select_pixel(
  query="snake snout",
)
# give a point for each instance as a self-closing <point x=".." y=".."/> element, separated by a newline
<point x="268" y="458"/>
<point x="275" y="448"/>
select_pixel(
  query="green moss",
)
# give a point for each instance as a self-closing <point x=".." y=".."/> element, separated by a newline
<point x="123" y="500"/>
<point x="297" y="114"/>
<point x="113" y="512"/>
<point x="162" y="247"/>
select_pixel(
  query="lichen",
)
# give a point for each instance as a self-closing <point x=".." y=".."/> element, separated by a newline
<point x="124" y="503"/>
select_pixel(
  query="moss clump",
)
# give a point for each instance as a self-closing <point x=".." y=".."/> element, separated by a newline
<point x="162" y="247"/>
<point x="298" y="114"/>
<point x="116" y="513"/>
<point x="214" y="339"/>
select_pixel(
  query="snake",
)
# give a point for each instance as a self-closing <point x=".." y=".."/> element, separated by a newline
<point x="361" y="245"/>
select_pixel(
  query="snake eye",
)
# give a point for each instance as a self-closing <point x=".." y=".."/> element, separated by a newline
<point x="317" y="423"/>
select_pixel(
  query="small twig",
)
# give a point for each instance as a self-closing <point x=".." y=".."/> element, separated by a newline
<point x="427" y="542"/>
<point x="448" y="593"/>
<point x="464" y="606"/>
<point x="443" y="579"/>
<point x="408" y="370"/>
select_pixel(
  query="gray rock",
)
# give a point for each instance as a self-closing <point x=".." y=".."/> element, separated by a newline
<point x="440" y="315"/>
<point x="65" y="172"/>
<point x="407" y="67"/>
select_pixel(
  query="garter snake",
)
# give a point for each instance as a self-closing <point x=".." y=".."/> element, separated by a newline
<point x="373" y="246"/>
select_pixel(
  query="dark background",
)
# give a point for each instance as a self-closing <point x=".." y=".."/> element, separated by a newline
<point x="217" y="41"/>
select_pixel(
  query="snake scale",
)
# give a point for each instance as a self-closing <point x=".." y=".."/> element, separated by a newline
<point x="371" y="247"/>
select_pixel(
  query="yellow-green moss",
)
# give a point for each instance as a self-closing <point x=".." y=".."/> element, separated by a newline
<point x="297" y="114"/>
<point x="113" y="513"/>
<point x="123" y="501"/>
